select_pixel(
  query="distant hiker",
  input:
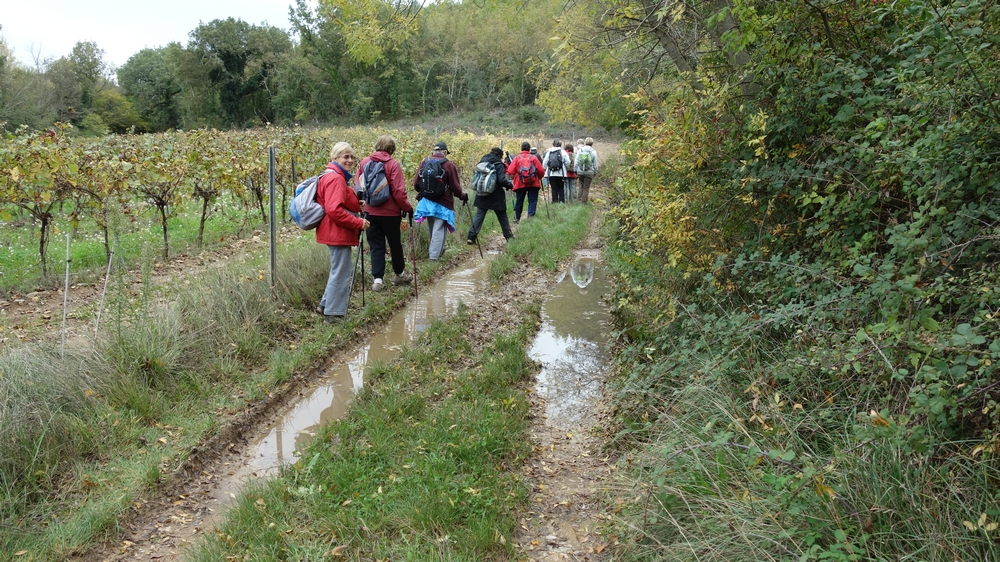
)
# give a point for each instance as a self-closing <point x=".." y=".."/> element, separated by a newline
<point x="385" y="217"/>
<point x="555" y="160"/>
<point x="528" y="172"/>
<point x="340" y="229"/>
<point x="586" y="165"/>
<point x="570" y="181"/>
<point x="437" y="185"/>
<point x="495" y="200"/>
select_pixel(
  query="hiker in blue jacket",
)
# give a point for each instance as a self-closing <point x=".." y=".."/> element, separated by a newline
<point x="496" y="201"/>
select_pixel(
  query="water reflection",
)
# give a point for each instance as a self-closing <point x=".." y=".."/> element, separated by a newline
<point x="582" y="271"/>
<point x="331" y="396"/>
<point x="572" y="343"/>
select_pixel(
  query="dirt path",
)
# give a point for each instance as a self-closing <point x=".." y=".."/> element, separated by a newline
<point x="568" y="475"/>
<point x="566" y="471"/>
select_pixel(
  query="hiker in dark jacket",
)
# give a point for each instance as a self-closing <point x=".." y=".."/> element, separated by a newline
<point x="496" y="201"/>
<point x="385" y="218"/>
<point x="526" y="182"/>
<point x="439" y="212"/>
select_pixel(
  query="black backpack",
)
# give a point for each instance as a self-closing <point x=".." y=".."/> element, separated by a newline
<point x="432" y="184"/>
<point x="373" y="185"/>
<point x="554" y="160"/>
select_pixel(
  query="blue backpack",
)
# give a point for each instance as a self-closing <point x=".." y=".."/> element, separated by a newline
<point x="304" y="209"/>
<point x="373" y="185"/>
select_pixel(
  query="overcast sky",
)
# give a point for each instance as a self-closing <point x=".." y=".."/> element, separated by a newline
<point x="122" y="28"/>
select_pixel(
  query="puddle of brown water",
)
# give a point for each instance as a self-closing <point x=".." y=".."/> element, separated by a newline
<point x="573" y="341"/>
<point x="330" y="397"/>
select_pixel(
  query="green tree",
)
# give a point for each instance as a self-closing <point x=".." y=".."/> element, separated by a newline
<point x="87" y="61"/>
<point x="116" y="111"/>
<point x="67" y="95"/>
<point x="241" y="62"/>
<point x="151" y="86"/>
<point x="25" y="95"/>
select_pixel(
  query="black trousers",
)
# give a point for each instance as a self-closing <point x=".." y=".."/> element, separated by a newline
<point x="558" y="194"/>
<point x="477" y="223"/>
<point x="383" y="230"/>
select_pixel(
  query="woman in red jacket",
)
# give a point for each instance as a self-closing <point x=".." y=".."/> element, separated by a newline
<point x="340" y="229"/>
<point x="386" y="218"/>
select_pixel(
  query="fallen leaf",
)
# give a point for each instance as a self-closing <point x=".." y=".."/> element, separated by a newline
<point x="600" y="549"/>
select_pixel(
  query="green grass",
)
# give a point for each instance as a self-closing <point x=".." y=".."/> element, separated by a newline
<point x="132" y="235"/>
<point x="544" y="241"/>
<point x="86" y="436"/>
<point x="418" y="470"/>
<point x="100" y="426"/>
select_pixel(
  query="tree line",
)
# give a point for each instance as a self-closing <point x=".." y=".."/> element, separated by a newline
<point x="325" y="68"/>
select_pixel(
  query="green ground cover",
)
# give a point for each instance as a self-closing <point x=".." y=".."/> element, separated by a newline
<point x="85" y="436"/>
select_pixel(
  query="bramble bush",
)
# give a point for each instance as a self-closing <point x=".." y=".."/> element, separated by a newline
<point x="808" y="290"/>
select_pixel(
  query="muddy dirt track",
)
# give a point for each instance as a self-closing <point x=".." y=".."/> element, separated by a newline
<point x="568" y="475"/>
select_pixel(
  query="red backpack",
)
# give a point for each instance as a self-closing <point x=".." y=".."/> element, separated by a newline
<point x="526" y="169"/>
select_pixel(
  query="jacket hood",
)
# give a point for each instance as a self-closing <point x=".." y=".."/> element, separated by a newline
<point x="491" y="158"/>
<point x="381" y="156"/>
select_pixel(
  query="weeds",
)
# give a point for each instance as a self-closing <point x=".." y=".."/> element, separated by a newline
<point x="544" y="242"/>
<point x="417" y="470"/>
<point x="119" y="413"/>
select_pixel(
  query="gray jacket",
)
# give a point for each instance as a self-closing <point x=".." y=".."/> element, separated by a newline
<point x="561" y="173"/>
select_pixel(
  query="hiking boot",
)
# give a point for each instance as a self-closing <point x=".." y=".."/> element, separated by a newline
<point x="320" y="310"/>
<point x="333" y="319"/>
<point x="470" y="241"/>
<point x="402" y="279"/>
<point x="377" y="285"/>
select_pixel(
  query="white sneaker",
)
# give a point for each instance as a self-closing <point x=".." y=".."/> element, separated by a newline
<point x="377" y="285"/>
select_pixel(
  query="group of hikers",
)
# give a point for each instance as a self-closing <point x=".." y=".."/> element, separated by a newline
<point x="374" y="200"/>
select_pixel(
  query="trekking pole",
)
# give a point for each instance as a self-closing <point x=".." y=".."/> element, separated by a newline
<point x="466" y="205"/>
<point x="544" y="200"/>
<point x="413" y="255"/>
<point x="361" y="252"/>
<point x="354" y="275"/>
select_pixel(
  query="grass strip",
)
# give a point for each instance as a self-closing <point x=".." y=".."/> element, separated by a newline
<point x="87" y="436"/>
<point x="418" y="470"/>
<point x="544" y="241"/>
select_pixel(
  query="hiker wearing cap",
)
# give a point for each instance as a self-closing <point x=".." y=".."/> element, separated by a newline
<point x="385" y="218"/>
<point x="340" y="229"/>
<point x="495" y="200"/>
<point x="528" y="172"/>
<point x="437" y="185"/>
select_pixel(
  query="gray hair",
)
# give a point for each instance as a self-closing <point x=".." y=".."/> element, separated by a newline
<point x="589" y="141"/>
